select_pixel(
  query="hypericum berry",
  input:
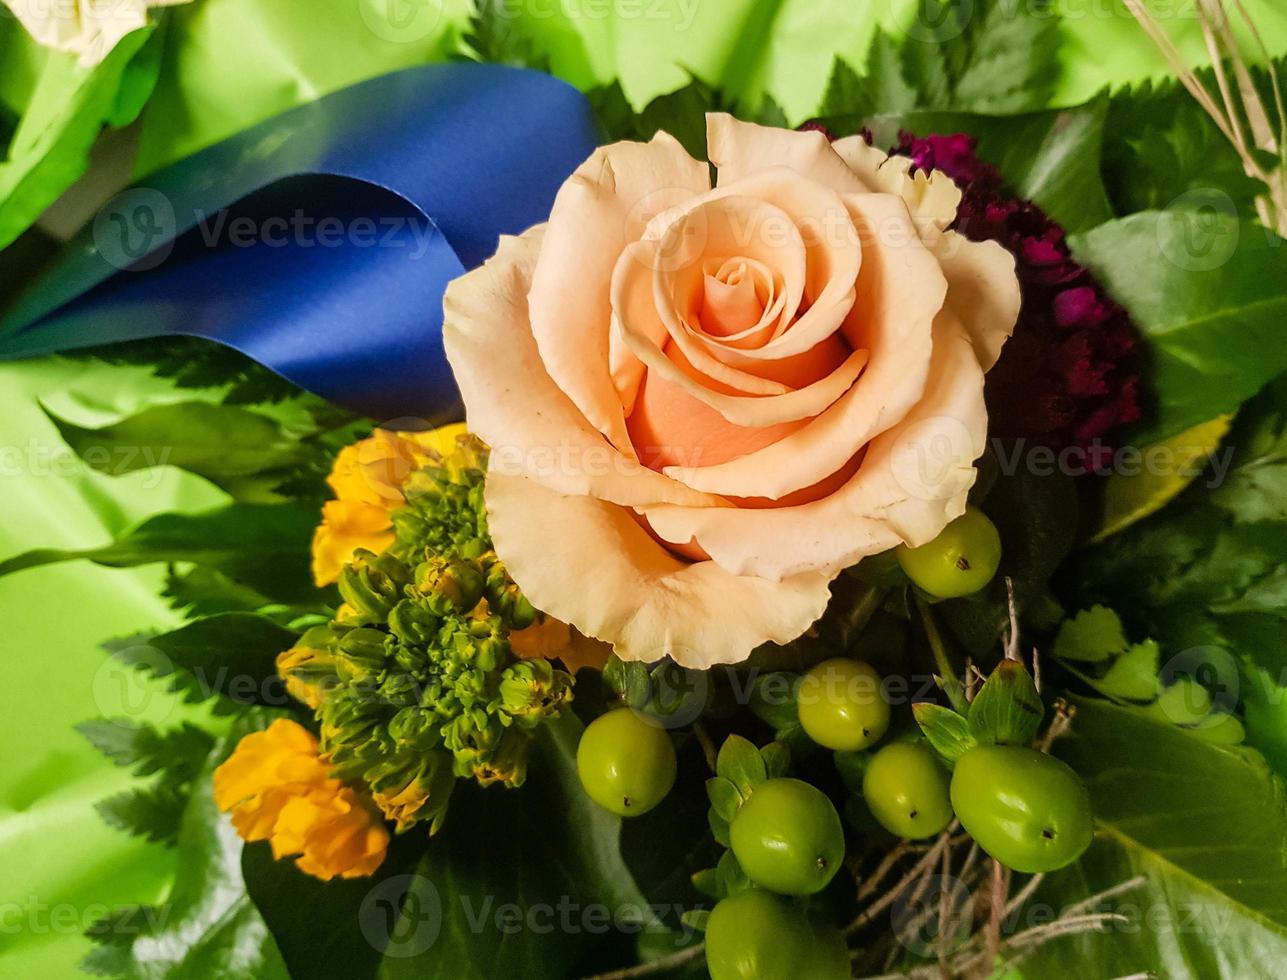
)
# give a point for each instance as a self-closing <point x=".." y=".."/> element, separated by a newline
<point x="1025" y="808"/>
<point x="906" y="790"/>
<point x="787" y="837"/>
<point x="960" y="561"/>
<point x="756" y="935"/>
<point x="626" y="762"/>
<point x="842" y="706"/>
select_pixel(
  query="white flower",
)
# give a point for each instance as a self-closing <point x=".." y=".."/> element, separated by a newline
<point x="88" y="28"/>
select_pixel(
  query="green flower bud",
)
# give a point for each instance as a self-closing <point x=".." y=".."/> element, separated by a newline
<point x="459" y="582"/>
<point x="532" y="690"/>
<point x="373" y="584"/>
<point x="362" y="654"/>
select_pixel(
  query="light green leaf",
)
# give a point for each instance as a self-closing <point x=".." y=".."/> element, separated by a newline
<point x="1007" y="710"/>
<point x="1255" y="488"/>
<point x="1133" y="675"/>
<point x="724" y="796"/>
<point x="1092" y="636"/>
<point x="946" y="730"/>
<point x="777" y="759"/>
<point x="740" y="762"/>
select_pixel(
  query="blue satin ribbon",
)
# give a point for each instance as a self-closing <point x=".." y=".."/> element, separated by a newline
<point x="320" y="242"/>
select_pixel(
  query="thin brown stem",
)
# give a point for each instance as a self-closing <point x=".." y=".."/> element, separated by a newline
<point x="659" y="965"/>
<point x="917" y="871"/>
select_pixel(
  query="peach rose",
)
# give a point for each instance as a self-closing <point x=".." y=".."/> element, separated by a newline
<point x="704" y="403"/>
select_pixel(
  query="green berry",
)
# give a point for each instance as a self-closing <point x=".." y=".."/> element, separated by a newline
<point x="842" y="706"/>
<point x="756" y="935"/>
<point x="1025" y="808"/>
<point x="788" y="838"/>
<point x="626" y="762"/>
<point x="960" y="561"/>
<point x="906" y="790"/>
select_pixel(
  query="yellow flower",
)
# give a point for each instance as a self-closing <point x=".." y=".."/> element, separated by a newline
<point x="279" y="789"/>
<point x="367" y="479"/>
<point x="298" y="668"/>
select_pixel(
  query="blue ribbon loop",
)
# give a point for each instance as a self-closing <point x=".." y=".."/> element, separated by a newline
<point x="320" y="242"/>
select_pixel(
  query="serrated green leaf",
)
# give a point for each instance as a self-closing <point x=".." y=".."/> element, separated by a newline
<point x="495" y="37"/>
<point x="1092" y="636"/>
<point x="740" y="762"/>
<point x="947" y="731"/>
<point x="232" y="655"/>
<point x="208" y="921"/>
<point x="201" y="591"/>
<point x="725" y="798"/>
<point x="1007" y="710"/>
<point x="240" y="451"/>
<point x="179" y="752"/>
<point x="262" y="546"/>
<point x="153" y="812"/>
<point x="1133" y="675"/>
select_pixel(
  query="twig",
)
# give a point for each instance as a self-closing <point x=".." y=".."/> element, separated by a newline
<point x="659" y="965"/>
<point x="944" y="912"/>
<point x="1025" y="893"/>
<point x="951" y="683"/>
<point x="996" y="913"/>
<point x="708" y="747"/>
<point x="1012" y="607"/>
<point x="869" y="886"/>
<point x="924" y="864"/>
<point x="1064" y="713"/>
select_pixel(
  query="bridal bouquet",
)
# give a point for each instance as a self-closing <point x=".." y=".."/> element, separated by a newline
<point x="853" y="548"/>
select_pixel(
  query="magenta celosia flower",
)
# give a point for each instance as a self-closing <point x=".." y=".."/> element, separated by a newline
<point x="1067" y="378"/>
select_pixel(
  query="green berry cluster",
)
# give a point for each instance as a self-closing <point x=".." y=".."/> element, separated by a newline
<point x="414" y="683"/>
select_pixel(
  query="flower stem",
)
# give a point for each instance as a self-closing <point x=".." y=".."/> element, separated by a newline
<point x="947" y="675"/>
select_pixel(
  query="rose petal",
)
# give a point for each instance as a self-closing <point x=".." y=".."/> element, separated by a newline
<point x="982" y="290"/>
<point x="602" y="207"/>
<point x="643" y="600"/>
<point x="900" y="290"/>
<point x="912" y="482"/>
<point x="931" y="198"/>
<point x="740" y="149"/>
<point x="513" y="405"/>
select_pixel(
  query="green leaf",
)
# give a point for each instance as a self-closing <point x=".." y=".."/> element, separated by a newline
<point x="740" y="762"/>
<point x="1133" y="675"/>
<point x="1092" y="636"/>
<point x="732" y="879"/>
<point x="725" y="798"/>
<point x="1204" y="825"/>
<point x="200" y="591"/>
<point x="71" y="103"/>
<point x="629" y="680"/>
<point x="179" y="752"/>
<point x="541" y="848"/>
<point x="1203" y="288"/>
<point x="152" y="812"/>
<point x="208" y="927"/>
<point x="947" y="731"/>
<point x="1255" y="488"/>
<point x="1007" y="709"/>
<point x="228" y="446"/>
<point x="231" y="654"/>
<point x="1129" y="498"/>
<point x="494" y="37"/>
<point x="1170" y="152"/>
<point x="777" y="759"/>
<point x="262" y="546"/>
